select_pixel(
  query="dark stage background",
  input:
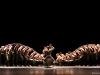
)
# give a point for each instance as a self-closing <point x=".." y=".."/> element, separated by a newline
<point x="66" y="27"/>
<point x="62" y="40"/>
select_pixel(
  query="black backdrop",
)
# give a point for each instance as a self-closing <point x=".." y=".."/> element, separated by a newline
<point x="63" y="40"/>
<point x="65" y="27"/>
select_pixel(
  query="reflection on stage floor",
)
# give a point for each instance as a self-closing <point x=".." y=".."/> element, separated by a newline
<point x="68" y="70"/>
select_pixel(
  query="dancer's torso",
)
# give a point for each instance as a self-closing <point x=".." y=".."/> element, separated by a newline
<point x="48" y="52"/>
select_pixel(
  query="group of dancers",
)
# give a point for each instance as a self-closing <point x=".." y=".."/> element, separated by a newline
<point x="85" y="55"/>
<point x="17" y="54"/>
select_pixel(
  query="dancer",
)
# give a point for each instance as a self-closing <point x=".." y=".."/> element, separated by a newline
<point x="49" y="60"/>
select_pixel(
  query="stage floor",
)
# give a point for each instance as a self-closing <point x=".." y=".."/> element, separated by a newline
<point x="56" y="70"/>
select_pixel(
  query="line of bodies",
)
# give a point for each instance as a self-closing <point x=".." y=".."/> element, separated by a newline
<point x="19" y="54"/>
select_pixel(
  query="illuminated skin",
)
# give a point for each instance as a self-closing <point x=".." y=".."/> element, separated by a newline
<point x="94" y="49"/>
<point x="48" y="49"/>
<point x="59" y="58"/>
<point x="37" y="56"/>
<point x="45" y="49"/>
<point x="51" y="47"/>
<point x="31" y="56"/>
<point x="62" y="56"/>
<point x="24" y="49"/>
<point x="75" y="55"/>
<point x="72" y="55"/>
<point x="20" y="48"/>
<point x="98" y="47"/>
<point x="41" y="57"/>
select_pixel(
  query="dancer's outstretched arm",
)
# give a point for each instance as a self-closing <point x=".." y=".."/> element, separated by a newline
<point x="51" y="47"/>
